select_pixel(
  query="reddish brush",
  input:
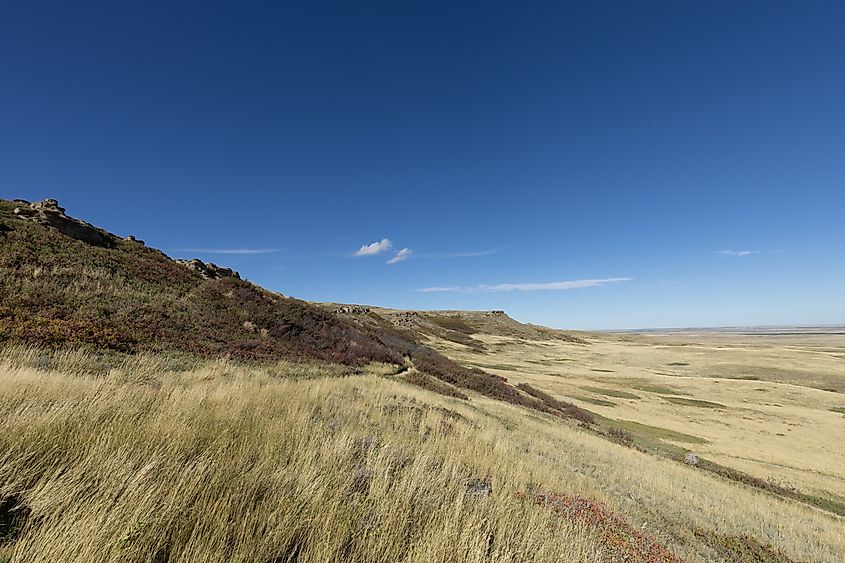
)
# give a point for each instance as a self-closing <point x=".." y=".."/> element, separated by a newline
<point x="556" y="406"/>
<point x="617" y="534"/>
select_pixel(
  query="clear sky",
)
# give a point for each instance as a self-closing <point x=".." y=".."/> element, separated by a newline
<point x="578" y="164"/>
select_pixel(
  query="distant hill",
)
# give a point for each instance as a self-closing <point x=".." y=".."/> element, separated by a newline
<point x="455" y="326"/>
<point x="64" y="282"/>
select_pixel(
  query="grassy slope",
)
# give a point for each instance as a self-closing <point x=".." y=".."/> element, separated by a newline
<point x="227" y="463"/>
<point x="59" y="291"/>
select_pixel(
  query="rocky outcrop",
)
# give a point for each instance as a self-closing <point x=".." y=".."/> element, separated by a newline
<point x="352" y="310"/>
<point x="49" y="214"/>
<point x="406" y="319"/>
<point x="209" y="270"/>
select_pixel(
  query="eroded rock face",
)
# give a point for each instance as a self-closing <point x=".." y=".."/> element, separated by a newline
<point x="49" y="214"/>
<point x="209" y="270"/>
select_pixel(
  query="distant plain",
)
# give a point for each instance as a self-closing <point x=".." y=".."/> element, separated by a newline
<point x="767" y="402"/>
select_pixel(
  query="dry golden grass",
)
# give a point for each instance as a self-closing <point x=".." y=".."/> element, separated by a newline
<point x="771" y="427"/>
<point x="228" y="464"/>
<point x="225" y="463"/>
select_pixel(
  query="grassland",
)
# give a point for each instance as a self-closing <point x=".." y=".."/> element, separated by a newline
<point x="779" y="429"/>
<point x="309" y="462"/>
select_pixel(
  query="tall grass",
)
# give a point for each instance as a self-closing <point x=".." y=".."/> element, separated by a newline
<point x="221" y="464"/>
<point x="291" y="463"/>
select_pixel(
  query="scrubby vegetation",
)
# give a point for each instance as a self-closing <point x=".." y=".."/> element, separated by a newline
<point x="594" y="401"/>
<point x="742" y="548"/>
<point x="614" y="529"/>
<point x="833" y="505"/>
<point x="555" y="405"/>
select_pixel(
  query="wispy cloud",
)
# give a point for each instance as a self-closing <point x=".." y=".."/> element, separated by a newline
<point x="742" y="253"/>
<point x="228" y="250"/>
<point x="462" y="254"/>
<point x="739" y="253"/>
<point x="403" y="254"/>
<point x="374" y="248"/>
<point x="559" y="285"/>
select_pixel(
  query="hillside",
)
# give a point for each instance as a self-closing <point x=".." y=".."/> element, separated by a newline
<point x="65" y="282"/>
<point x="454" y="326"/>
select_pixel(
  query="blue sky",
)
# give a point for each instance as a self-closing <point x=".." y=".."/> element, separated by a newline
<point x="578" y="164"/>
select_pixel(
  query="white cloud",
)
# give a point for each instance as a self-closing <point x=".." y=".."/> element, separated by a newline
<point x="228" y="250"/>
<point x="559" y="285"/>
<point x="739" y="252"/>
<point x="374" y="248"/>
<point x="403" y="254"/>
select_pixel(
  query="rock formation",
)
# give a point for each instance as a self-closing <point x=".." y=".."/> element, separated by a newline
<point x="209" y="270"/>
<point x="49" y="214"/>
<point x="352" y="310"/>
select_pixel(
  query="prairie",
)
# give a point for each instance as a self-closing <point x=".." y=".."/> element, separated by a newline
<point x="310" y="462"/>
<point x="767" y="405"/>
